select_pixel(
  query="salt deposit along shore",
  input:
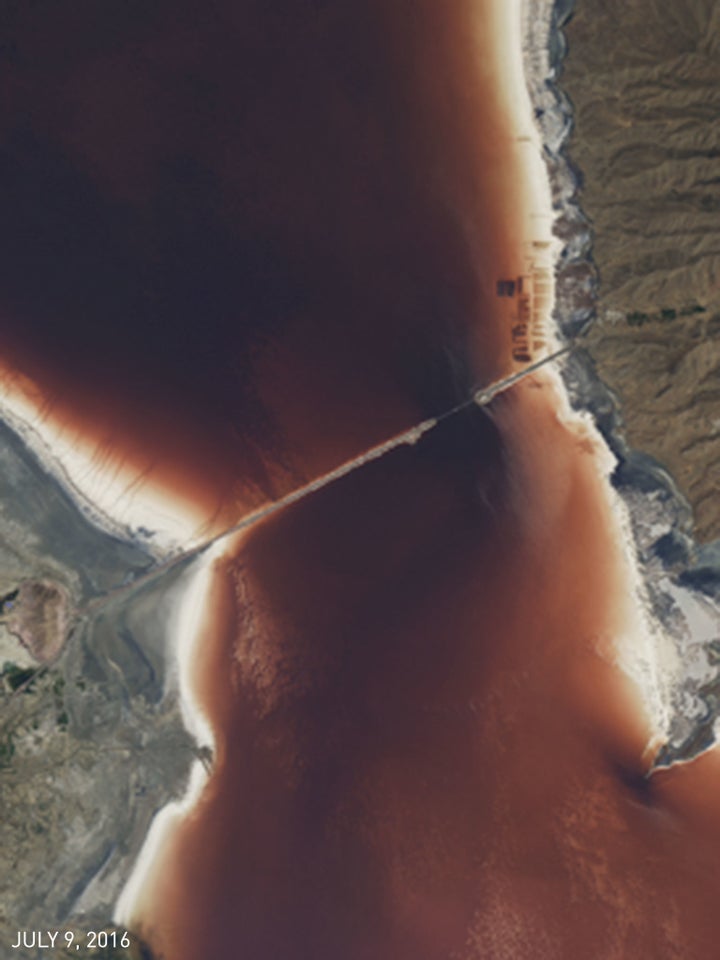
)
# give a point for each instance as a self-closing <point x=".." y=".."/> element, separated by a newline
<point x="636" y="652"/>
<point x="632" y="646"/>
<point x="183" y="633"/>
<point x="615" y="686"/>
<point x="534" y="205"/>
<point x="117" y="496"/>
<point x="523" y="30"/>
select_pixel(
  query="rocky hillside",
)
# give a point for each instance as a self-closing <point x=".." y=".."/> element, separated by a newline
<point x="644" y="80"/>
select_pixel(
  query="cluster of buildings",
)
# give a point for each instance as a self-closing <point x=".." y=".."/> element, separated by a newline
<point x="531" y="295"/>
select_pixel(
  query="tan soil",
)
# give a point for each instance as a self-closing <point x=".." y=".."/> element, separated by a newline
<point x="644" y="79"/>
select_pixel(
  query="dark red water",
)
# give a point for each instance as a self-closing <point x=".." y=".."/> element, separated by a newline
<point x="248" y="241"/>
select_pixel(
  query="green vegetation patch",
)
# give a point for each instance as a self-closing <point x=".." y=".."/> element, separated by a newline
<point x="637" y="318"/>
<point x="16" y="677"/>
<point x="7" y="750"/>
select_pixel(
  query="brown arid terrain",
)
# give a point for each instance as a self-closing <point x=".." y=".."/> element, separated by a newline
<point x="644" y="80"/>
<point x="39" y="617"/>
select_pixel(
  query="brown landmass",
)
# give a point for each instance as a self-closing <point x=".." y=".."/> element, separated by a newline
<point x="644" y="79"/>
<point x="40" y="618"/>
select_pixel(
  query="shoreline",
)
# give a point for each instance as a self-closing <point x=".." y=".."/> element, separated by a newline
<point x="94" y="490"/>
<point x="183" y="634"/>
<point x="659" y="518"/>
<point x="654" y="667"/>
<point x="642" y="668"/>
<point x="652" y="671"/>
<point x="537" y="218"/>
<point x="550" y="182"/>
